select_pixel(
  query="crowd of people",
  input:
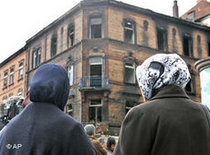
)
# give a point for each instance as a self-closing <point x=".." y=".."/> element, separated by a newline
<point x="168" y="123"/>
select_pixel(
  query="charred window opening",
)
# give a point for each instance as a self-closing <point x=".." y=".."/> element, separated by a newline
<point x="187" y="46"/>
<point x="95" y="111"/>
<point x="129" y="31"/>
<point x="70" y="35"/>
<point x="53" y="45"/>
<point x="146" y="25"/>
<point x="11" y="76"/>
<point x="129" y="74"/>
<point x="5" y="79"/>
<point x="174" y="32"/>
<point x="209" y="49"/>
<point x="95" y="28"/>
<point x="199" y="50"/>
<point x="96" y="72"/>
<point x="36" y="57"/>
<point x="162" y="39"/>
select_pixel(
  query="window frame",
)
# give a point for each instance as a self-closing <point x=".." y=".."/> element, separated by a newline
<point x="132" y="66"/>
<point x="36" y="57"/>
<point x="132" y="28"/>
<point x="53" y="45"/>
<point x="188" y="53"/>
<point x="70" y="69"/>
<point x="11" y="75"/>
<point x="90" y="35"/>
<point x="20" y="70"/>
<point x="96" y="110"/>
<point x="71" y="36"/>
<point x="164" y="39"/>
<point x="5" y="79"/>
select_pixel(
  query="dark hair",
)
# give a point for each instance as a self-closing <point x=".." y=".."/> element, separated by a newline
<point x="110" y="141"/>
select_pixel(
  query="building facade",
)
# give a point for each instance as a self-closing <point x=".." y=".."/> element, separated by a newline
<point x="100" y="43"/>
<point x="12" y="77"/>
<point x="199" y="13"/>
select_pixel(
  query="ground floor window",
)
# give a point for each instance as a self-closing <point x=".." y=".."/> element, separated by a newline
<point x="95" y="111"/>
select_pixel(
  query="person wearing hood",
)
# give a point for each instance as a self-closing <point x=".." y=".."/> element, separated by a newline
<point x="169" y="123"/>
<point x="42" y="128"/>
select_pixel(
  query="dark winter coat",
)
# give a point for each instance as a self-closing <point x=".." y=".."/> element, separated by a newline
<point x="169" y="124"/>
<point x="42" y="128"/>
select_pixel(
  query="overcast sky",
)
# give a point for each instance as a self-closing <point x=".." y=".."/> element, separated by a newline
<point x="21" y="19"/>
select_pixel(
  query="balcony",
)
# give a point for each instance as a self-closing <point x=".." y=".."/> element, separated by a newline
<point x="94" y="82"/>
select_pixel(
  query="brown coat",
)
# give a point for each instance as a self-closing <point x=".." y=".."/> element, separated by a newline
<point x="100" y="150"/>
<point x="169" y="124"/>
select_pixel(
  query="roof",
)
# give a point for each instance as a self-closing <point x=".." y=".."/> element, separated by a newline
<point x="12" y="56"/>
<point x="200" y="10"/>
<point x="85" y="3"/>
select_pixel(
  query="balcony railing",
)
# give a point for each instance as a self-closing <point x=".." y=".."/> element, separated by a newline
<point x="94" y="81"/>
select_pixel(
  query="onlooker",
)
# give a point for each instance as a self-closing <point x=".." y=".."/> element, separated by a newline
<point x="90" y="130"/>
<point x="20" y="106"/>
<point x="26" y="100"/>
<point x="42" y="127"/>
<point x="102" y="141"/>
<point x="110" y="145"/>
<point x="169" y="123"/>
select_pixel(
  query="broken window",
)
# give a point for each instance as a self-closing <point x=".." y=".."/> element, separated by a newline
<point x="53" y="45"/>
<point x="11" y="78"/>
<point x="129" y="75"/>
<point x="71" y="74"/>
<point x="70" y="35"/>
<point x="20" y="73"/>
<point x="95" y="111"/>
<point x="162" y="39"/>
<point x="5" y="79"/>
<point x="95" y="28"/>
<point x="95" y="72"/>
<point x="36" y="57"/>
<point x="129" y="31"/>
<point x="187" y="45"/>
<point x="209" y="49"/>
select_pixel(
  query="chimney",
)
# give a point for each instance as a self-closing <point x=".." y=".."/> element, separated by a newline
<point x="175" y="9"/>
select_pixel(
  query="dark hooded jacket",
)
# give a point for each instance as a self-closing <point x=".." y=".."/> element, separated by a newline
<point x="42" y="128"/>
<point x="169" y="124"/>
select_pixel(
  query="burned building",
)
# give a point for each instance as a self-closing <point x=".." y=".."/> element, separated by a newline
<point x="100" y="43"/>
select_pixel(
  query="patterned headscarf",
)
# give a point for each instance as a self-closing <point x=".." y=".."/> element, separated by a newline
<point x="161" y="70"/>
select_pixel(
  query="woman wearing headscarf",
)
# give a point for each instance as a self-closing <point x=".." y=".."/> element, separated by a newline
<point x="42" y="128"/>
<point x="169" y="123"/>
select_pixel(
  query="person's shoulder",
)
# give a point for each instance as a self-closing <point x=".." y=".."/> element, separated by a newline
<point x="143" y="107"/>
